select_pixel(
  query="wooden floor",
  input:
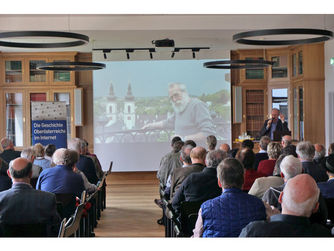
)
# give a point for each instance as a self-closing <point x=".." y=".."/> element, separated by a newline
<point x="130" y="210"/>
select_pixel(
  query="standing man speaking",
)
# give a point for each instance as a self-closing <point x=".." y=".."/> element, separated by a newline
<point x="275" y="124"/>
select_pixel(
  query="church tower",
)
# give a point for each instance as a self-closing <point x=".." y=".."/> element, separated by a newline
<point x="129" y="110"/>
<point x="111" y="107"/>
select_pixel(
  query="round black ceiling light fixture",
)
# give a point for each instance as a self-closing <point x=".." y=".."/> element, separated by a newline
<point x="315" y="36"/>
<point x="238" y="64"/>
<point x="71" y="66"/>
<point x="76" y="39"/>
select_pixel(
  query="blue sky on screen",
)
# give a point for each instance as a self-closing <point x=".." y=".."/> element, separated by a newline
<point x="151" y="78"/>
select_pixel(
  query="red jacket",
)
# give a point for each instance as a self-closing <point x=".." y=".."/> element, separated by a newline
<point x="266" y="167"/>
<point x="250" y="176"/>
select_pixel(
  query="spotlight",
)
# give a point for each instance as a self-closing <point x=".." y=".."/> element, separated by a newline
<point x="127" y="55"/>
<point x="173" y="54"/>
<point x="151" y="56"/>
<point x="105" y="56"/>
<point x="194" y="56"/>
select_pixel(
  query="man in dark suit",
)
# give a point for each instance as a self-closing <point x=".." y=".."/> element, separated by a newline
<point x="262" y="154"/>
<point x="5" y="181"/>
<point x="9" y="152"/>
<point x="275" y="123"/>
<point x="201" y="186"/>
<point x="306" y="151"/>
<point x="24" y="205"/>
<point x="197" y="156"/>
<point x="85" y="164"/>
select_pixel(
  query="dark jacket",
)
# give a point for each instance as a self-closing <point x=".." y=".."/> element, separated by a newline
<point x="327" y="188"/>
<point x="227" y="214"/>
<point x="199" y="186"/>
<point x="180" y="174"/>
<point x="316" y="171"/>
<point x="5" y="182"/>
<point x="9" y="154"/>
<point x="283" y="225"/>
<point x="24" y="205"/>
<point x="258" y="158"/>
<point x="86" y="165"/>
<point x="282" y="127"/>
<point x="271" y="197"/>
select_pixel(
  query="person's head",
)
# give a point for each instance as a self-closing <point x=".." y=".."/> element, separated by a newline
<point x="39" y="150"/>
<point x="86" y="143"/>
<point x="75" y="144"/>
<point x="247" y="157"/>
<point x="274" y="150"/>
<point x="305" y="150"/>
<point x="290" y="150"/>
<point x="174" y="139"/>
<point x="247" y="143"/>
<point x="58" y="156"/>
<point x="178" y="96"/>
<point x="185" y="154"/>
<point x="190" y="142"/>
<point x="300" y="196"/>
<point x="320" y="151"/>
<point x="329" y="165"/>
<point x="286" y="140"/>
<point x="20" y="170"/>
<point x="71" y="158"/>
<point x="290" y="167"/>
<point x="50" y="149"/>
<point x="225" y="147"/>
<point x="230" y="173"/>
<point x="6" y="144"/>
<point x="264" y="141"/>
<point x="331" y="149"/>
<point x="277" y="168"/>
<point x="177" y="146"/>
<point x="28" y="154"/>
<point x="275" y="114"/>
<point x="197" y="155"/>
<point x="211" y="142"/>
<point x="214" y="157"/>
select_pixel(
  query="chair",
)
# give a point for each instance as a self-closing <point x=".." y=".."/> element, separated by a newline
<point x="65" y="205"/>
<point x="110" y="168"/>
<point x="73" y="223"/>
<point x="330" y="207"/>
<point x="188" y="216"/>
<point x="62" y="228"/>
<point x="23" y="230"/>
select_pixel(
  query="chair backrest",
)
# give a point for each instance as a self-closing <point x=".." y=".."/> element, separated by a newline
<point x="62" y="228"/>
<point x="110" y="167"/>
<point x="101" y="183"/>
<point x="330" y="207"/>
<point x="83" y="196"/>
<point x="67" y="202"/>
<point x="188" y="216"/>
<point x="73" y="223"/>
<point x="23" y="230"/>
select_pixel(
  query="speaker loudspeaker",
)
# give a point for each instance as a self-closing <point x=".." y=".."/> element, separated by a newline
<point x="237" y="104"/>
<point x="78" y="109"/>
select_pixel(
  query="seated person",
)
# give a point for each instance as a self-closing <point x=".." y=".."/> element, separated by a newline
<point x="40" y="160"/>
<point x="201" y="186"/>
<point x="228" y="214"/>
<point x="5" y="181"/>
<point x="286" y="141"/>
<point x="98" y="167"/>
<point x="299" y="200"/>
<point x="230" y="152"/>
<point x="247" y="158"/>
<point x="30" y="155"/>
<point x="24" y="205"/>
<point x="211" y="142"/>
<point x="266" y="167"/>
<point x="327" y="188"/>
<point x="61" y="179"/>
<point x="262" y="154"/>
<point x="9" y="152"/>
<point x="49" y="151"/>
<point x="319" y="154"/>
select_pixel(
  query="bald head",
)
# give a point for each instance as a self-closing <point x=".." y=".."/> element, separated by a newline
<point x="197" y="155"/>
<point x="320" y="151"/>
<point x="20" y="170"/>
<point x="6" y="144"/>
<point x="300" y="196"/>
<point x="224" y="147"/>
<point x="286" y="140"/>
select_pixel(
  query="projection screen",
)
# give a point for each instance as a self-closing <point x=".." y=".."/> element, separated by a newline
<point x="139" y="106"/>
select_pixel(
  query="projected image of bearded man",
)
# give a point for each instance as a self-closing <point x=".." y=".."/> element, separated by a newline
<point x="191" y="118"/>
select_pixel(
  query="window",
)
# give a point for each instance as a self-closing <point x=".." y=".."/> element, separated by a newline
<point x="279" y="100"/>
<point x="14" y="118"/>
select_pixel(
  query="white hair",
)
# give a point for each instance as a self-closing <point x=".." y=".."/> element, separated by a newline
<point x="74" y="144"/>
<point x="59" y="156"/>
<point x="290" y="167"/>
<point x="28" y="153"/>
<point x="305" y="150"/>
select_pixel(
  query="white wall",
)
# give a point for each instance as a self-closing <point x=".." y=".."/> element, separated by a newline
<point x="329" y="86"/>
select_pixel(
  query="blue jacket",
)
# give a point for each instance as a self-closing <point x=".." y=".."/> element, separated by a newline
<point x="227" y="214"/>
<point x="60" y="179"/>
<point x="327" y="188"/>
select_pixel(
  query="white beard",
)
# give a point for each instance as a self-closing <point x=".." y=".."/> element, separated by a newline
<point x="182" y="104"/>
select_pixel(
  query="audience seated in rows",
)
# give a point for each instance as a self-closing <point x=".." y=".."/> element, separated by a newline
<point x="262" y="154"/>
<point x="5" y="181"/>
<point x="97" y="164"/>
<point x="247" y="157"/>
<point x="227" y="214"/>
<point x="211" y="142"/>
<point x="327" y="188"/>
<point x="61" y="179"/>
<point x="266" y="167"/>
<point x="306" y="151"/>
<point x="201" y="186"/>
<point x="9" y="152"/>
<point x="40" y="160"/>
<point x="21" y="204"/>
<point x="85" y="164"/>
<point x="299" y="200"/>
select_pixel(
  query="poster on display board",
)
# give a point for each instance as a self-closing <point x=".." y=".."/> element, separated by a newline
<point x="48" y="123"/>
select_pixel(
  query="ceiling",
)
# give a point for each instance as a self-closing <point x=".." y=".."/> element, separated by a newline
<point x="133" y="31"/>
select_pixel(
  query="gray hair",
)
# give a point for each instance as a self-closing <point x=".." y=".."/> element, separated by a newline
<point x="58" y="156"/>
<point x="305" y="150"/>
<point x="213" y="158"/>
<point x="182" y="87"/>
<point x="74" y="144"/>
<point x="264" y="141"/>
<point x="66" y="157"/>
<point x="290" y="167"/>
<point x="28" y="153"/>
